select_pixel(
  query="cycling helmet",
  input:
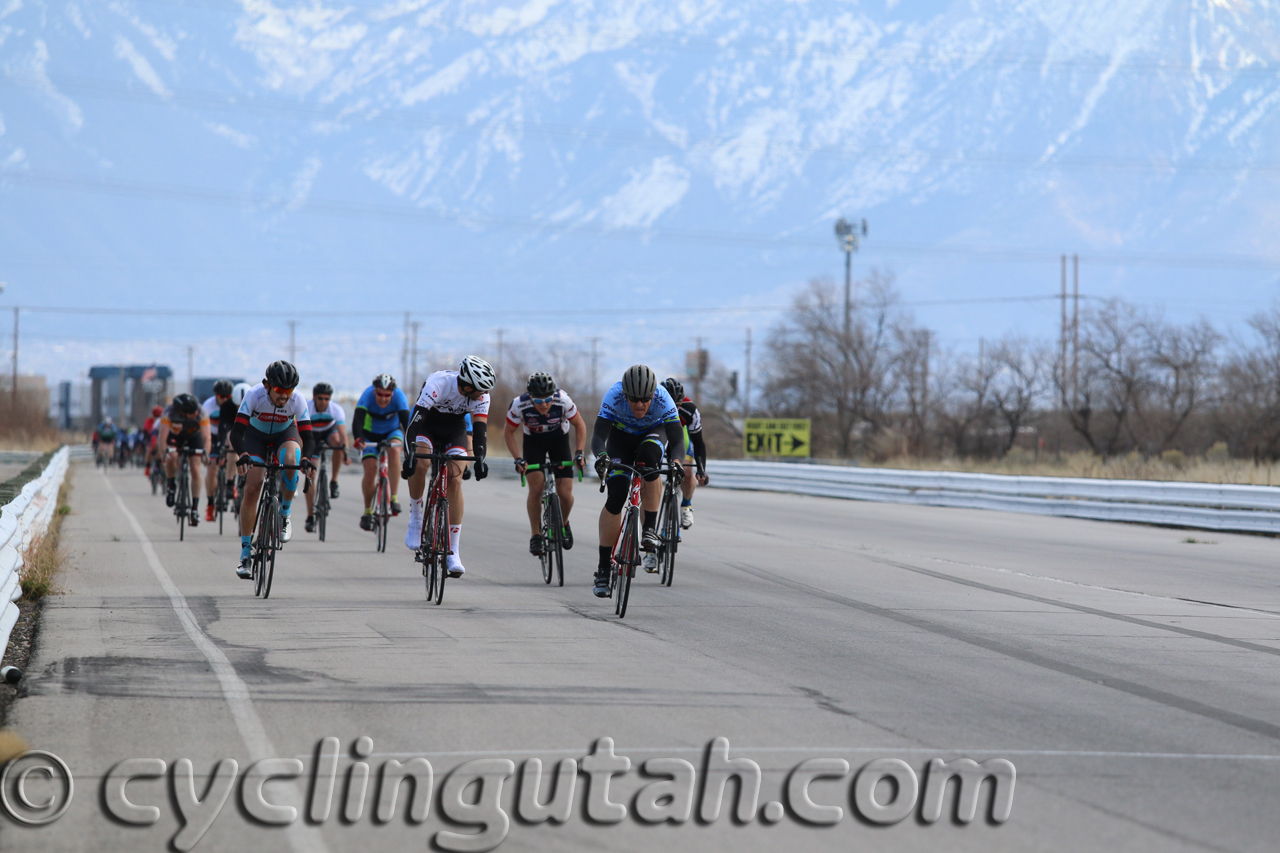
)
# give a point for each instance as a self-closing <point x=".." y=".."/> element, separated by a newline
<point x="674" y="388"/>
<point x="384" y="382"/>
<point x="107" y="421"/>
<point x="185" y="403"/>
<point x="477" y="373"/>
<point x="157" y="411"/>
<point x="222" y="387"/>
<point x="639" y="382"/>
<point x="238" y="392"/>
<point x="282" y="374"/>
<point x="541" y="385"/>
<point x="322" y="389"/>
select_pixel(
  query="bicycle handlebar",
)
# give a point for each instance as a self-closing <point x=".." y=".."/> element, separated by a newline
<point x="536" y="466"/>
<point x="635" y="471"/>
<point x="273" y="465"/>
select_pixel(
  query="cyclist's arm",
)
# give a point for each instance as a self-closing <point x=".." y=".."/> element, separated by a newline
<point x="403" y="414"/>
<point x="164" y="434"/>
<point x="206" y="438"/>
<point x="342" y="434"/>
<point x="699" y="450"/>
<point x="675" y="437"/>
<point x="509" y="436"/>
<point x="479" y="433"/>
<point x="579" y="431"/>
<point x="357" y="423"/>
<point x="308" y="440"/>
<point x="237" y="434"/>
<point x="600" y="435"/>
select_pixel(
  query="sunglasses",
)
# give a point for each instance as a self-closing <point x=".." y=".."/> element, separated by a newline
<point x="287" y="392"/>
<point x="637" y="399"/>
<point x="538" y="401"/>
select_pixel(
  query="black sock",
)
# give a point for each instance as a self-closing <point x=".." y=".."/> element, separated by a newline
<point x="173" y="484"/>
<point x="195" y="504"/>
<point x="650" y="519"/>
<point x="606" y="557"/>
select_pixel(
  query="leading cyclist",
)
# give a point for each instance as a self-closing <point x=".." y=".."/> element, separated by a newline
<point x="638" y="420"/>
<point x="382" y="414"/>
<point x="439" y="420"/>
<point x="272" y="421"/>
<point x="544" y="414"/>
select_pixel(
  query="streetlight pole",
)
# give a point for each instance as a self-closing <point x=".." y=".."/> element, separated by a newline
<point x="848" y="236"/>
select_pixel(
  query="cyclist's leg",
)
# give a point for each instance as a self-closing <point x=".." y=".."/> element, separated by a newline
<point x="311" y="493"/>
<point x="393" y="463"/>
<point x="211" y="472"/>
<point x="337" y="456"/>
<point x="369" y="459"/>
<point x="621" y="447"/>
<point x="559" y="454"/>
<point x="649" y="459"/>
<point x="533" y="502"/>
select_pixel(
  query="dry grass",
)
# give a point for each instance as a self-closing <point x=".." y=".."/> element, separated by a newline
<point x="45" y="557"/>
<point x="11" y="745"/>
<point x="1171" y="467"/>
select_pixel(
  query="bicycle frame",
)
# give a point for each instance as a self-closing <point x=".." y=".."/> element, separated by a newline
<point x="433" y="548"/>
<point x="266" y="529"/>
<point x="552" y="520"/>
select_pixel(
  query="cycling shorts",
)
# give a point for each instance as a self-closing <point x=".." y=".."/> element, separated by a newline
<point x="191" y="441"/>
<point x="447" y="434"/>
<point x="549" y="448"/>
<point x="641" y="451"/>
<point x="324" y="440"/>
<point x="372" y="438"/>
<point x="260" y="445"/>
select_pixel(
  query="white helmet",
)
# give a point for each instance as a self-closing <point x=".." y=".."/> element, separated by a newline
<point x="238" y="392"/>
<point x="477" y="373"/>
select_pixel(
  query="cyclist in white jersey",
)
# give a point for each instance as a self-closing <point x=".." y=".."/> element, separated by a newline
<point x="439" y="421"/>
<point x="544" y="414"/>
<point x="222" y="414"/>
<point x="328" y="428"/>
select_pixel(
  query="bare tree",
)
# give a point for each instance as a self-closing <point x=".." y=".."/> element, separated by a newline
<point x="1183" y="368"/>
<point x="1020" y="383"/>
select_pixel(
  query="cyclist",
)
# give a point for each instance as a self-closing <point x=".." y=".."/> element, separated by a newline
<point x="104" y="439"/>
<point x="544" y="414"/>
<point x="150" y="428"/>
<point x="222" y="414"/>
<point x="638" y="421"/>
<point x="382" y="414"/>
<point x="328" y="428"/>
<point x="695" y="449"/>
<point x="439" y="420"/>
<point x="272" y="420"/>
<point x="183" y="424"/>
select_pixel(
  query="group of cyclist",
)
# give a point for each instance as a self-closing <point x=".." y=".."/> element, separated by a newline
<point x="640" y="423"/>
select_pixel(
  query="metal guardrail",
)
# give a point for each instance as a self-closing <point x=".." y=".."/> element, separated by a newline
<point x="1208" y="506"/>
<point x="22" y="521"/>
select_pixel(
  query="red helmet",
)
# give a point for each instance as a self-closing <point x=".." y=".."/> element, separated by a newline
<point x="156" y="411"/>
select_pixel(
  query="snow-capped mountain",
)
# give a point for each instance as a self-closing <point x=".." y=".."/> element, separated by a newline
<point x="488" y="160"/>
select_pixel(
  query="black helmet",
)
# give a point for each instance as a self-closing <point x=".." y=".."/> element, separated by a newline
<point x="674" y="388"/>
<point x="282" y="374"/>
<point x="322" y="389"/>
<point x="541" y="385"/>
<point x="185" y="403"/>
<point x="384" y="382"/>
<point x="223" y="387"/>
<point x="639" y="382"/>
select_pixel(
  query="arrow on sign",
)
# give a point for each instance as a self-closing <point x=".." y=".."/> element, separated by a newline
<point x="796" y="443"/>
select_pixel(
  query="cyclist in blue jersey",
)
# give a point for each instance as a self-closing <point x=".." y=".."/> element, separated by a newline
<point x="382" y="414"/>
<point x="638" y="422"/>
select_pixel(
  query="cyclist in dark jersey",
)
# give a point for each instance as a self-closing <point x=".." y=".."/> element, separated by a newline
<point x="695" y="449"/>
<point x="184" y="424"/>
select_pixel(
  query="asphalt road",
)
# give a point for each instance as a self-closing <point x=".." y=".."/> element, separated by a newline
<point x="1129" y="676"/>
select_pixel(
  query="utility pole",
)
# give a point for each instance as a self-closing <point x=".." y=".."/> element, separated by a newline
<point x="191" y="370"/>
<point x="413" y="363"/>
<point x="13" y="390"/>
<point x="1062" y="337"/>
<point x="698" y="365"/>
<point x="746" y="388"/>
<point x="500" y="359"/>
<point x="1075" y="335"/>
<point x="847" y="236"/>
<point x="404" y="350"/>
<point x="293" y="347"/>
<point x="924" y="392"/>
<point x="595" y="353"/>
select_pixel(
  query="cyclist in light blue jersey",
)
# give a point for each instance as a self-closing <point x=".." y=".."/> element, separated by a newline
<point x="638" y="422"/>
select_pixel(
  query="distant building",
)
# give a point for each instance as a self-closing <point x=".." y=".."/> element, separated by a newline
<point x="127" y="392"/>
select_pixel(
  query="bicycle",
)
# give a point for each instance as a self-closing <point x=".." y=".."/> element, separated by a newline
<point x="625" y="556"/>
<point x="382" y="497"/>
<point x="157" y="474"/>
<point x="669" y="527"/>
<point x="182" y="507"/>
<point x="321" y="510"/>
<point x="434" y="546"/>
<point x="266" y="530"/>
<point x="552" y="529"/>
<point x="220" y="492"/>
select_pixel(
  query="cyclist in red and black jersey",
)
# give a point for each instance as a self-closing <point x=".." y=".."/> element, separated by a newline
<point x="184" y="424"/>
<point x="695" y="449"/>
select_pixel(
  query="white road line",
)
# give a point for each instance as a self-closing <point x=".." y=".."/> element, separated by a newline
<point x="302" y="838"/>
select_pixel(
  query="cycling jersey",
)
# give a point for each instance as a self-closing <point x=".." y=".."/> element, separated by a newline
<point x="441" y="413"/>
<point x="267" y="419"/>
<point x="522" y="413"/>
<point x="615" y="408"/>
<point x="220" y="414"/>
<point x="183" y="425"/>
<point x="332" y="416"/>
<point x="691" y="418"/>
<point x="379" y="419"/>
<point x="106" y="434"/>
<point x="440" y="394"/>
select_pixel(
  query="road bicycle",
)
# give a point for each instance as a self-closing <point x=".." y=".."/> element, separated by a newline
<point x="552" y="528"/>
<point x="625" y="556"/>
<point x="322" y="505"/>
<point x="433" y="549"/>
<point x="669" y="526"/>
<point x="382" y="496"/>
<point x="182" y="507"/>
<point x="267" y="529"/>
<point x="157" y="474"/>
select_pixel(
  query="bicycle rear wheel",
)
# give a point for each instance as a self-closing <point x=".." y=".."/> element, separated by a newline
<point x="554" y="546"/>
<point x="441" y="546"/>
<point x="630" y="557"/>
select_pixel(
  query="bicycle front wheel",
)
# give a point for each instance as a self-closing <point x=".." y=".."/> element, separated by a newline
<point x="441" y="546"/>
<point x="264" y="555"/>
<point x="629" y="557"/>
<point x="670" y="538"/>
<point x="554" y="545"/>
<point x="382" y="513"/>
<point x="547" y="533"/>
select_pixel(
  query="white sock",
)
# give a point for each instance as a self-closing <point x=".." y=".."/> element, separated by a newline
<point x="455" y="534"/>
<point x="415" y="507"/>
